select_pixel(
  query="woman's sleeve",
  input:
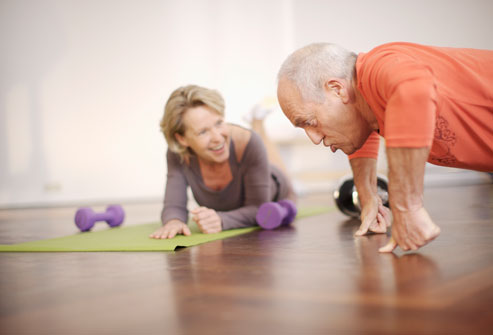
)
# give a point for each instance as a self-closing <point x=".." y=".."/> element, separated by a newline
<point x="175" y="196"/>
<point x="255" y="174"/>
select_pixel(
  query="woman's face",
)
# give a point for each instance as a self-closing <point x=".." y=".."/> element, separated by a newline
<point x="206" y="134"/>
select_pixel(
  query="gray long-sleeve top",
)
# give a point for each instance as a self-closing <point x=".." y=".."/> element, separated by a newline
<point x="238" y="202"/>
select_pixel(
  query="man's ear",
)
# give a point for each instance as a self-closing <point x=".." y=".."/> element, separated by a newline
<point x="181" y="139"/>
<point x="338" y="87"/>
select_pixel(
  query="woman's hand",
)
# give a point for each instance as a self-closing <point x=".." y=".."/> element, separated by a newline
<point x="207" y="220"/>
<point x="170" y="229"/>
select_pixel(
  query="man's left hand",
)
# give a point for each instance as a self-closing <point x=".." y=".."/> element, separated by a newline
<point x="411" y="230"/>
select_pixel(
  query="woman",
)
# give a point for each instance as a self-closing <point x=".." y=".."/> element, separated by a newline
<point x="225" y="165"/>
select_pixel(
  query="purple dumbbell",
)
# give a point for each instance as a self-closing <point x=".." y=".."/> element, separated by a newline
<point x="85" y="217"/>
<point x="271" y="215"/>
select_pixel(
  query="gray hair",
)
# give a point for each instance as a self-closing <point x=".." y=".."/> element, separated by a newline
<point x="310" y="66"/>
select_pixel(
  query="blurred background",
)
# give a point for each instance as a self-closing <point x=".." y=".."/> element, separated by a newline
<point x="83" y="83"/>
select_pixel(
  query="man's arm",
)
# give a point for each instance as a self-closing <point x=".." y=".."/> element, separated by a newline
<point x="365" y="177"/>
<point x="374" y="216"/>
<point x="412" y="227"/>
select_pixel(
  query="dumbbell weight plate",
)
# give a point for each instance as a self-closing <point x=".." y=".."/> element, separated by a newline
<point x="383" y="190"/>
<point x="343" y="196"/>
<point x="292" y="211"/>
<point x="118" y="215"/>
<point x="346" y="196"/>
<point x="269" y="215"/>
<point x="83" y="218"/>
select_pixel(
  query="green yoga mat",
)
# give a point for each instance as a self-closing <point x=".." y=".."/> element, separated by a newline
<point x="134" y="238"/>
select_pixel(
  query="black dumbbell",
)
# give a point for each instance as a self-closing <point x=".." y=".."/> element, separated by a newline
<point x="85" y="217"/>
<point x="346" y="196"/>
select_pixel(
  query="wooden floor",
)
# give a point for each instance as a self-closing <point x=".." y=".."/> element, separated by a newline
<point x="312" y="278"/>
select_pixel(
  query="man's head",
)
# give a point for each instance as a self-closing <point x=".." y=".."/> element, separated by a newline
<point x="316" y="93"/>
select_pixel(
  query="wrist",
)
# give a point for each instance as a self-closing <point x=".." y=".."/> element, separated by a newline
<point x="366" y="196"/>
<point x="173" y="221"/>
<point x="405" y="203"/>
<point x="365" y="178"/>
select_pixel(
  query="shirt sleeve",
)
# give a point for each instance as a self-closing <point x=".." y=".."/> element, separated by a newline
<point x="255" y="174"/>
<point x="409" y="89"/>
<point x="175" y="196"/>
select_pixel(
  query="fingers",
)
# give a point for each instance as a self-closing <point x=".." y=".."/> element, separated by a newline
<point x="158" y="233"/>
<point x="411" y="231"/>
<point x="434" y="233"/>
<point x="363" y="228"/>
<point x="386" y="214"/>
<point x="202" y="214"/>
<point x="379" y="225"/>
<point x="207" y="220"/>
<point x="371" y="220"/>
<point x="375" y="225"/>
<point x="161" y="234"/>
<point x="389" y="247"/>
<point x="423" y="239"/>
<point x="171" y="230"/>
<point x="209" y="225"/>
<point x="167" y="233"/>
<point x="186" y="231"/>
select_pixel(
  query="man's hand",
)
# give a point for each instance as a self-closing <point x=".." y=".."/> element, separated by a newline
<point x="375" y="217"/>
<point x="411" y="230"/>
<point x="170" y="229"/>
<point x="207" y="220"/>
<point x="412" y="227"/>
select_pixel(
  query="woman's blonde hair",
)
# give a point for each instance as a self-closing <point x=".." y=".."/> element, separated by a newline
<point x="182" y="99"/>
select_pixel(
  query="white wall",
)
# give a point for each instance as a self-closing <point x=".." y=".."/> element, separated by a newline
<point x="360" y="25"/>
<point x="83" y="83"/>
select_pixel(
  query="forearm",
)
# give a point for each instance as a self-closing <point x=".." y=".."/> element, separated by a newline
<point x="365" y="177"/>
<point x="406" y="177"/>
<point x="239" y="218"/>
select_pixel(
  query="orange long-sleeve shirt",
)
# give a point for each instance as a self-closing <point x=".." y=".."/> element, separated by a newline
<point x="434" y="97"/>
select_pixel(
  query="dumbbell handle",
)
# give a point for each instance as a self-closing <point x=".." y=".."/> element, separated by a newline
<point x="101" y="216"/>
<point x="282" y="209"/>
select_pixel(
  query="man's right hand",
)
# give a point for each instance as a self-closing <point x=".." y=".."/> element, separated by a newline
<point x="171" y="229"/>
<point x="375" y="217"/>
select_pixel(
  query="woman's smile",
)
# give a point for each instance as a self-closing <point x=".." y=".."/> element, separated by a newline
<point x="218" y="149"/>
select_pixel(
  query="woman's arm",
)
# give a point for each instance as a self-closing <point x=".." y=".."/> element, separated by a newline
<point x="174" y="214"/>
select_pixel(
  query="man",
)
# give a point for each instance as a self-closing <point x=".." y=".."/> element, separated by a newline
<point x="429" y="103"/>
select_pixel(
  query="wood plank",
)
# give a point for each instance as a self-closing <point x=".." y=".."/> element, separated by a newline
<point x="311" y="278"/>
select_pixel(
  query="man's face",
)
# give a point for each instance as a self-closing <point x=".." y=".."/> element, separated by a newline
<point x="334" y="122"/>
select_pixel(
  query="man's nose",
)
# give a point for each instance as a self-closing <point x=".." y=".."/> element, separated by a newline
<point x="314" y="136"/>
